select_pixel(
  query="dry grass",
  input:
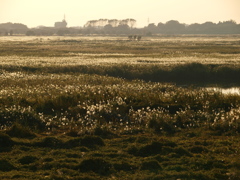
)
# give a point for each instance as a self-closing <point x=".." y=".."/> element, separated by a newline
<point x="60" y="120"/>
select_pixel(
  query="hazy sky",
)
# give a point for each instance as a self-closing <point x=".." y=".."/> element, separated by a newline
<point x="45" y="12"/>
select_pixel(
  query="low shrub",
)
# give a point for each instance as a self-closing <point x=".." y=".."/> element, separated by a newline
<point x="92" y="141"/>
<point x="162" y="125"/>
<point x="27" y="117"/>
<point x="48" y="159"/>
<point x="150" y="149"/>
<point x="17" y="130"/>
<point x="87" y="141"/>
<point x="160" y="158"/>
<point x="86" y="177"/>
<point x="166" y="150"/>
<point x="209" y="164"/>
<point x="72" y="133"/>
<point x="124" y="166"/>
<point x="180" y="151"/>
<point x="27" y="159"/>
<point x="73" y="143"/>
<point x="57" y="177"/>
<point x="192" y="72"/>
<point x="97" y="165"/>
<point x="177" y="168"/>
<point x="151" y="165"/>
<point x="198" y="149"/>
<point x="103" y="132"/>
<point x="5" y="140"/>
<point x="5" y="165"/>
<point x="59" y="103"/>
<point x="219" y="174"/>
<point x="51" y="142"/>
<point x="133" y="150"/>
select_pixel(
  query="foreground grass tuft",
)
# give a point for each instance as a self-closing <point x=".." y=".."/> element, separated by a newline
<point x="5" y="165"/>
<point x="5" y="140"/>
<point x="17" y="130"/>
<point x="97" y="165"/>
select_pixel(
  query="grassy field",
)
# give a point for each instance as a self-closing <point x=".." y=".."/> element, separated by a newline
<point x="109" y="108"/>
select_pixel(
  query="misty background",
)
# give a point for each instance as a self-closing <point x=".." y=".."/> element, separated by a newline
<point x="121" y="27"/>
<point x="69" y="17"/>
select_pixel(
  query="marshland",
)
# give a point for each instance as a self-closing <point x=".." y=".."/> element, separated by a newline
<point x="75" y="107"/>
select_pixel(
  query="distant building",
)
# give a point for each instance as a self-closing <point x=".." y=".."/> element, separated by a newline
<point x="62" y="24"/>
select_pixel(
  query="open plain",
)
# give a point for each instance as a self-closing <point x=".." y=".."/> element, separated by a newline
<point x="112" y="108"/>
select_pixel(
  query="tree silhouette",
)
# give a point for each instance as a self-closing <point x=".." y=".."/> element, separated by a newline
<point x="174" y="27"/>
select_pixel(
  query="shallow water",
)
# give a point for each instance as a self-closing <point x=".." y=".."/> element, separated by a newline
<point x="232" y="90"/>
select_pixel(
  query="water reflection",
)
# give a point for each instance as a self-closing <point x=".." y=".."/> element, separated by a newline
<point x="232" y="90"/>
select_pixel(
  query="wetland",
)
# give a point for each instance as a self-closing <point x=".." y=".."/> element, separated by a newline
<point x="110" y="108"/>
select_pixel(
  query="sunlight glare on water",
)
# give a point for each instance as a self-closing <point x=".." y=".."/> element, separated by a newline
<point x="232" y="90"/>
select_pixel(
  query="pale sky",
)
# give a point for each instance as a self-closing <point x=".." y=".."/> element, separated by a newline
<point x="46" y="12"/>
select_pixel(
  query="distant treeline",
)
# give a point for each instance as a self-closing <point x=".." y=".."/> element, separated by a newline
<point x="170" y="27"/>
<point x="174" y="27"/>
<point x="12" y="28"/>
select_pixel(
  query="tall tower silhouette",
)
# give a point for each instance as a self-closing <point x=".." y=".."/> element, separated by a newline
<point x="62" y="24"/>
